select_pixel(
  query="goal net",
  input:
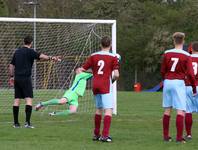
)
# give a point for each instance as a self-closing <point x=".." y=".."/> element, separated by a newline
<point x="74" y="40"/>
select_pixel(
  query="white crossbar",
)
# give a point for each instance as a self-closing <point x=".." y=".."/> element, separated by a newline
<point x="8" y="19"/>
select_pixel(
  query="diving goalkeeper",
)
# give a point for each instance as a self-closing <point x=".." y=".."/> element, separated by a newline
<point x="70" y="97"/>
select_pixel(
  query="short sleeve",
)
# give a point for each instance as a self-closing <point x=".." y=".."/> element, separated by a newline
<point x="88" y="63"/>
<point x="115" y="63"/>
<point x="13" y="60"/>
<point x="35" y="55"/>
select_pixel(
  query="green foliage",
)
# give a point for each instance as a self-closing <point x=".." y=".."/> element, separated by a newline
<point x="144" y="33"/>
<point x="144" y="27"/>
<point x="3" y="8"/>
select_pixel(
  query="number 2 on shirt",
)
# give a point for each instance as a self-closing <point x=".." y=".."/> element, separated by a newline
<point x="175" y="61"/>
<point x="101" y="64"/>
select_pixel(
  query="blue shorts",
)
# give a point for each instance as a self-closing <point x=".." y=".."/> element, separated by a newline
<point x="174" y="94"/>
<point x="104" y="101"/>
<point x="192" y="101"/>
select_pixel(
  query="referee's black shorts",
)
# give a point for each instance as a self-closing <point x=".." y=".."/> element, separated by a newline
<point x="23" y="88"/>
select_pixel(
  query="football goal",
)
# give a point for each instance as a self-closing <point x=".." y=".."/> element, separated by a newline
<point x="73" y="39"/>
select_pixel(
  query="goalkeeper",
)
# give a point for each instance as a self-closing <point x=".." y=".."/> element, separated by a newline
<point x="70" y="97"/>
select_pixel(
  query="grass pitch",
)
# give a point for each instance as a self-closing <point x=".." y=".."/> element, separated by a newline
<point x="136" y="127"/>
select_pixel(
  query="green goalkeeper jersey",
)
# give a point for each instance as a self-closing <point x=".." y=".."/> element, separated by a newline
<point x="80" y="82"/>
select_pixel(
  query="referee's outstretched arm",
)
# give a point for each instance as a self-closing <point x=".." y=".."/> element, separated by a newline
<point x="42" y="57"/>
<point x="46" y="57"/>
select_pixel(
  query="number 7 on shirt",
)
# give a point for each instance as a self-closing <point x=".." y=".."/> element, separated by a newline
<point x="175" y="61"/>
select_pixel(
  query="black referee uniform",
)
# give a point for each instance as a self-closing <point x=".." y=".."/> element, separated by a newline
<point x="22" y="61"/>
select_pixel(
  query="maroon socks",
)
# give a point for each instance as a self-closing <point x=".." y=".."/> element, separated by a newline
<point x="166" y="120"/>
<point x="106" y="125"/>
<point x="188" y="123"/>
<point x="179" y="126"/>
<point x="97" y="124"/>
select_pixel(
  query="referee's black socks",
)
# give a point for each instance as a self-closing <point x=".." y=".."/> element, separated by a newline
<point x="28" y="111"/>
<point x="16" y="114"/>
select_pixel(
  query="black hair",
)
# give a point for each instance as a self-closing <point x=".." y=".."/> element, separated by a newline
<point x="28" y="40"/>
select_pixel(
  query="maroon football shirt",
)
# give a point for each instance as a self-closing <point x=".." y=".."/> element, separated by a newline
<point x="177" y="64"/>
<point x="102" y="64"/>
<point x="195" y="69"/>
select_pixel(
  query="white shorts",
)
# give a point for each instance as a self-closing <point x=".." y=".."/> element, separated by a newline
<point x="174" y="94"/>
<point x="104" y="101"/>
<point x="192" y="101"/>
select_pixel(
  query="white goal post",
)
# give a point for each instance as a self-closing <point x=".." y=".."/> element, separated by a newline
<point x="86" y="32"/>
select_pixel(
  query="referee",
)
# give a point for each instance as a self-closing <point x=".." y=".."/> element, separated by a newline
<point x="20" y="70"/>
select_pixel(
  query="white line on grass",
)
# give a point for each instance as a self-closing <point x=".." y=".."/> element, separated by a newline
<point x="53" y="121"/>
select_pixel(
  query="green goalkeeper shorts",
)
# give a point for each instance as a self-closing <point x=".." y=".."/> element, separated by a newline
<point x="72" y="97"/>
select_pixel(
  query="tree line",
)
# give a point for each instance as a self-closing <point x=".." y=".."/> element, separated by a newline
<point x="144" y="28"/>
